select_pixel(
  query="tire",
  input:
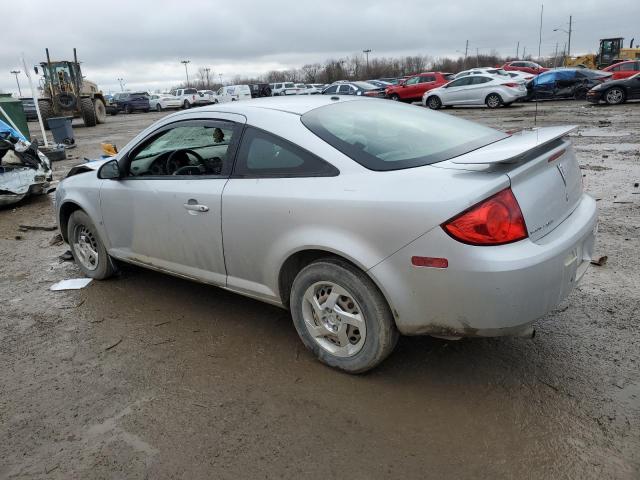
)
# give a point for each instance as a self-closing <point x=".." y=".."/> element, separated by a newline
<point x="87" y="248"/>
<point x="186" y="105"/>
<point x="101" y="110"/>
<point x="88" y="112"/>
<point x="46" y="110"/>
<point x="493" y="100"/>
<point x="434" y="102"/>
<point x="357" y="346"/>
<point x="395" y="97"/>
<point x="128" y="109"/>
<point x="614" y="96"/>
<point x="158" y="107"/>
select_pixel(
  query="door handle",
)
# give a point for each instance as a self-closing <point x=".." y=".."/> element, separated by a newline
<point x="193" y="206"/>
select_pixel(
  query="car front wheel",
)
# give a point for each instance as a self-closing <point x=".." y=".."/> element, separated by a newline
<point x="434" y="103"/>
<point x="341" y="316"/>
<point x="88" y="250"/>
<point x="614" y="96"/>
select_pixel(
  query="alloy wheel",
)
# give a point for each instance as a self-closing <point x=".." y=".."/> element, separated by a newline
<point x="334" y="319"/>
<point x="85" y="247"/>
<point x="614" y="96"/>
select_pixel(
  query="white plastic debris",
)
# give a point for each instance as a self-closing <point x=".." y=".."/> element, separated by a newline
<point x="71" y="284"/>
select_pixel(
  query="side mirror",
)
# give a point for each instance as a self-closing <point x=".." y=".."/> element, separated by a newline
<point x="109" y="171"/>
<point x="35" y="69"/>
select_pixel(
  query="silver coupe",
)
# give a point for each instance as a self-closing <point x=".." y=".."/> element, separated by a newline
<point x="365" y="218"/>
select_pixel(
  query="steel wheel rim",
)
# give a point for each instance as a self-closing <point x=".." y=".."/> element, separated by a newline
<point x="85" y="247"/>
<point x="334" y="319"/>
<point x="614" y="96"/>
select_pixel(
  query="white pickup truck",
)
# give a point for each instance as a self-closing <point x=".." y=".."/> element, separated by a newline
<point x="189" y="97"/>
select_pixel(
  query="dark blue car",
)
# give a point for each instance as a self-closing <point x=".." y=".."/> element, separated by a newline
<point x="564" y="83"/>
<point x="129" y="102"/>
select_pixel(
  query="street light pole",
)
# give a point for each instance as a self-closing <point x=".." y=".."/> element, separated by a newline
<point x="220" y="76"/>
<point x="207" y="70"/>
<point x="186" y="71"/>
<point x="121" y="82"/>
<point x="16" y="72"/>
<point x="367" y="51"/>
<point x="568" y="33"/>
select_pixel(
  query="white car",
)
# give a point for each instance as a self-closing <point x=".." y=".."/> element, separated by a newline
<point x="490" y="90"/>
<point x="310" y="90"/>
<point x="521" y="77"/>
<point x="283" y="88"/>
<point x="163" y="101"/>
<point x="209" y="96"/>
<point x="233" y="93"/>
<point x="483" y="70"/>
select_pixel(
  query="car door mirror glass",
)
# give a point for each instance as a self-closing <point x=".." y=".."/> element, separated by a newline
<point x="110" y="170"/>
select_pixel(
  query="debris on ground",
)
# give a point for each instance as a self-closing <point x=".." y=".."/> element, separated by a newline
<point x="56" y="240"/>
<point x="113" y="345"/>
<point x="601" y="261"/>
<point x="71" y="284"/>
<point x="66" y="256"/>
<point x="24" y="170"/>
<point x="44" y="228"/>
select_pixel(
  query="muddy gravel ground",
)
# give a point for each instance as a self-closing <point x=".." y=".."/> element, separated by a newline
<point x="149" y="376"/>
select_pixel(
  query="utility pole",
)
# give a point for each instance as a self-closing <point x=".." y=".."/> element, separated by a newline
<point x="524" y="53"/>
<point x="207" y="70"/>
<point x="570" y="25"/>
<point x="477" y="57"/>
<point x="540" y="35"/>
<point x="518" y="50"/>
<point x="186" y="70"/>
<point x="220" y="76"/>
<point x="121" y="82"/>
<point x="367" y="51"/>
<point x="466" y="51"/>
<point x="16" y="73"/>
<point x="555" y="57"/>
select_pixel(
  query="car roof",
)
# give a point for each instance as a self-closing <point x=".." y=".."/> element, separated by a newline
<point x="606" y="69"/>
<point x="295" y="104"/>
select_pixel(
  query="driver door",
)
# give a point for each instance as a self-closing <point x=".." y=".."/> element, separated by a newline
<point x="165" y="211"/>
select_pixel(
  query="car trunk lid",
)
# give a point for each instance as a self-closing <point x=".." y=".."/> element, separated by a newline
<point x="544" y="174"/>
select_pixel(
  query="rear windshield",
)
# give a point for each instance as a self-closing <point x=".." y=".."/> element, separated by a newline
<point x="383" y="135"/>
<point x="190" y="91"/>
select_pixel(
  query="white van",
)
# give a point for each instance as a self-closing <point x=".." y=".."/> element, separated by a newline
<point x="232" y="93"/>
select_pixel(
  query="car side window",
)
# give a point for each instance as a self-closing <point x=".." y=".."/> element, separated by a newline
<point x="460" y="82"/>
<point x="196" y="147"/>
<point x="627" y="67"/>
<point x="332" y="89"/>
<point x="412" y="81"/>
<point x="344" y="89"/>
<point x="479" y="80"/>
<point x="427" y="79"/>
<point x="262" y="154"/>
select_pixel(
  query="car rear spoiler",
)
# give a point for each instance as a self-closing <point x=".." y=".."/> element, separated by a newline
<point x="515" y="147"/>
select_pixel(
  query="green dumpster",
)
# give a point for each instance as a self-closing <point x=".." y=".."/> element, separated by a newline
<point x="13" y="108"/>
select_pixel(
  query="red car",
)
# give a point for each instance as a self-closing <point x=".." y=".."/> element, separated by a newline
<point x="623" y="69"/>
<point x="522" y="66"/>
<point x="414" y="87"/>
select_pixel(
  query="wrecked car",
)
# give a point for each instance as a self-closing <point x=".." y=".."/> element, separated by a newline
<point x="366" y="219"/>
<point x="24" y="170"/>
<point x="566" y="83"/>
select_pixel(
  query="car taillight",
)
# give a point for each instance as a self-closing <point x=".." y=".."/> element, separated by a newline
<point x="510" y="84"/>
<point x="494" y="221"/>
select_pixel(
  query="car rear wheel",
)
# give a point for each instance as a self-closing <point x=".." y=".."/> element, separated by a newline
<point x="614" y="96"/>
<point x="434" y="103"/>
<point x="493" y="100"/>
<point x="341" y="316"/>
<point x="87" y="248"/>
<point x="158" y="107"/>
<point x="186" y="105"/>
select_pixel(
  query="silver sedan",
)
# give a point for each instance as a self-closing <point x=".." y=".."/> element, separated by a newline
<point x="365" y="218"/>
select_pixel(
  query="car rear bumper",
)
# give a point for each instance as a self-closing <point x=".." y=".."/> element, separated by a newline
<point x="486" y="291"/>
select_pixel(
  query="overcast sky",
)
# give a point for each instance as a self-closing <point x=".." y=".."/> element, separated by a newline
<point x="143" y="41"/>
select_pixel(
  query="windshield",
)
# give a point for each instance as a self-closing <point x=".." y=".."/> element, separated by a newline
<point x="392" y="136"/>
